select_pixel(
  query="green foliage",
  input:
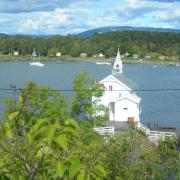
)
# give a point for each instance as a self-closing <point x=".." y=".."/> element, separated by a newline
<point x="131" y="156"/>
<point x="62" y="141"/>
<point x="40" y="140"/>
<point x="85" y="88"/>
<point x="74" y="167"/>
<point x="60" y="169"/>
<point x="141" y="42"/>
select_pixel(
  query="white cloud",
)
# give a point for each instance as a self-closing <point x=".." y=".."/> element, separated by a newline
<point x="58" y="21"/>
<point x="73" y="16"/>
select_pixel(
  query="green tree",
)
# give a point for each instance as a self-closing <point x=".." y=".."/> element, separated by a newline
<point x="37" y="135"/>
<point x="85" y="88"/>
<point x="38" y="138"/>
<point x="75" y="50"/>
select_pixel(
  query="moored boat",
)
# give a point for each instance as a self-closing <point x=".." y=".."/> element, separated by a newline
<point x="35" y="63"/>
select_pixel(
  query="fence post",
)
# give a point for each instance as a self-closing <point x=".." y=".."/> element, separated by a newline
<point x="138" y="126"/>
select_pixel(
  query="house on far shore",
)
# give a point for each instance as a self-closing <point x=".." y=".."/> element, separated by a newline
<point x="127" y="54"/>
<point x="100" y="55"/>
<point x="135" y="56"/>
<point x="16" y="53"/>
<point x="58" y="54"/>
<point x="122" y="103"/>
<point x="147" y="56"/>
<point x="83" y="55"/>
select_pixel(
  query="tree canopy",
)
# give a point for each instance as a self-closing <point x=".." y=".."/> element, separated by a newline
<point x="134" y="42"/>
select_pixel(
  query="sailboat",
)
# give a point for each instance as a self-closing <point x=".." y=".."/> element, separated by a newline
<point x="35" y="63"/>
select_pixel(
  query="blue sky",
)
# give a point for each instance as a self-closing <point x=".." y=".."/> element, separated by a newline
<point x="74" y="16"/>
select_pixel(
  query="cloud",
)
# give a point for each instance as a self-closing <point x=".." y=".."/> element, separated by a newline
<point x="19" y="6"/>
<point x="165" y="1"/>
<point x="73" y="16"/>
<point x="62" y="21"/>
<point x="146" y="13"/>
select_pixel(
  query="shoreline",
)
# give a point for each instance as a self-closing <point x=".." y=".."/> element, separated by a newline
<point x="84" y="59"/>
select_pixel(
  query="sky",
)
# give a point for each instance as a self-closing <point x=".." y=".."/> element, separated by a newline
<point x="44" y="17"/>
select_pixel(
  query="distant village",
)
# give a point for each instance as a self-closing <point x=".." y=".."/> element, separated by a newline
<point x="126" y="55"/>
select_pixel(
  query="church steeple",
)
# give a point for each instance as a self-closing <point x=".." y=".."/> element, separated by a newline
<point x="118" y="63"/>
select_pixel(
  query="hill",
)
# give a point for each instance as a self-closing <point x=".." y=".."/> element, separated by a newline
<point x="3" y="34"/>
<point x="89" y="33"/>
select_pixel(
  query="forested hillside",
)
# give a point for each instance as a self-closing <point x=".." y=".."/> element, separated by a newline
<point x="133" y="42"/>
<point x="90" y="32"/>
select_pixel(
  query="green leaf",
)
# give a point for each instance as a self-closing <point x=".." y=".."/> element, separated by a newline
<point x="60" y="169"/>
<point x="100" y="171"/>
<point x="49" y="133"/>
<point x="30" y="138"/>
<point x="62" y="141"/>
<point x="9" y="133"/>
<point x="13" y="115"/>
<point x="43" y="150"/>
<point x="37" y="125"/>
<point x="57" y="125"/>
<point x="72" y="131"/>
<point x="74" y="167"/>
<point x="81" y="176"/>
<point x="72" y="122"/>
<point x="37" y="133"/>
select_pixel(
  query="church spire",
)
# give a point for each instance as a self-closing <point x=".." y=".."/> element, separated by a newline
<point x="118" y="63"/>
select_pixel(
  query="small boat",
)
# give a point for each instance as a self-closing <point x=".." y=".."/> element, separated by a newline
<point x="35" y="63"/>
<point x="102" y="63"/>
<point x="174" y="64"/>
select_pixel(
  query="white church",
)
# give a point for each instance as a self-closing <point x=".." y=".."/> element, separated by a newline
<point x="122" y="103"/>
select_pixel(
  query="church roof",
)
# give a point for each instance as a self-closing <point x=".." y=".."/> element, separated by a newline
<point x="124" y="79"/>
<point x="117" y="80"/>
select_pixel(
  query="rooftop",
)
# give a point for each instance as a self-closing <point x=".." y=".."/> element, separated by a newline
<point x="124" y="79"/>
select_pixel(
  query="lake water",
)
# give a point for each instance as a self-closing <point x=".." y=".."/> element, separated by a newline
<point x="157" y="106"/>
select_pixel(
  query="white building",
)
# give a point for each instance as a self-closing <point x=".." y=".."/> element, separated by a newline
<point x="83" y="55"/>
<point x="135" y="56"/>
<point x="122" y="103"/>
<point x="58" y="54"/>
<point x="16" y="53"/>
<point x="100" y="55"/>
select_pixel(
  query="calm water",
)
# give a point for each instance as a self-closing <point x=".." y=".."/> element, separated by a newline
<point x="162" y="107"/>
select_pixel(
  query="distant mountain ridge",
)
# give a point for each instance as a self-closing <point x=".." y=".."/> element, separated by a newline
<point x="3" y="34"/>
<point x="89" y="33"/>
<point x="105" y="29"/>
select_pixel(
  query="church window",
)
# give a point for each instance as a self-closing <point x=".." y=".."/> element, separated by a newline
<point x="110" y="88"/>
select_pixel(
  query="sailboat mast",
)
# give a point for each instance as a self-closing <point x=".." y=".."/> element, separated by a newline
<point x="34" y="53"/>
<point x="39" y="57"/>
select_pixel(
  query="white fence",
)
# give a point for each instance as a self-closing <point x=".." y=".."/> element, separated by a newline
<point x="153" y="134"/>
<point x="104" y="130"/>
